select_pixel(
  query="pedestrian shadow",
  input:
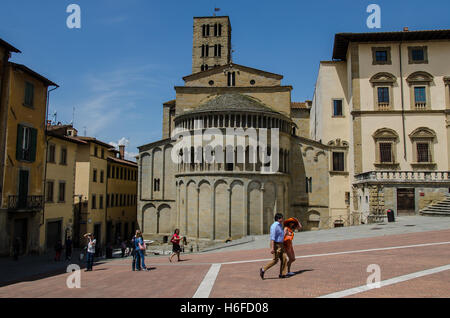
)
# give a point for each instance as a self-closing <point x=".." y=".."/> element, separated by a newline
<point x="295" y="274"/>
<point x="301" y="272"/>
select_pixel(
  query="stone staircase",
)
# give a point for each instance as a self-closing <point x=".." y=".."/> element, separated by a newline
<point x="441" y="208"/>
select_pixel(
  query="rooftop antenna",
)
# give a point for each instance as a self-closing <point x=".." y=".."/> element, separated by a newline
<point x="73" y="116"/>
<point x="84" y="131"/>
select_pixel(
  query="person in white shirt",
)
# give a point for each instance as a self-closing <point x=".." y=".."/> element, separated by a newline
<point x="90" y="251"/>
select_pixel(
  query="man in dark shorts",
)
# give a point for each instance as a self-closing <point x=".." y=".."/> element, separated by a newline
<point x="176" y="249"/>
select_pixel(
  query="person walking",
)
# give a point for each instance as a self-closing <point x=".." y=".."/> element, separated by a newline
<point x="58" y="250"/>
<point x="135" y="265"/>
<point x="68" y="249"/>
<point x="123" y="247"/>
<point x="176" y="249"/>
<point x="140" y="251"/>
<point x="277" y="247"/>
<point x="90" y="251"/>
<point x="290" y="225"/>
<point x="16" y="248"/>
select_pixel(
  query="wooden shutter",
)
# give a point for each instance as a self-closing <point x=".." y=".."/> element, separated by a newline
<point x="19" y="142"/>
<point x="33" y="144"/>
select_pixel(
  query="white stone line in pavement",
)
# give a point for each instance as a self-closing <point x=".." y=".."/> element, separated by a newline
<point x="345" y="252"/>
<point x="395" y="280"/>
<point x="207" y="284"/>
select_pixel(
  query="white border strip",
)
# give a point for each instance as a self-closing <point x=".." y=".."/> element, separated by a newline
<point x="207" y="284"/>
<point x="341" y="253"/>
<point x="395" y="280"/>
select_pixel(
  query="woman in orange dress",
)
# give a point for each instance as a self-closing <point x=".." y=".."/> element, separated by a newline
<point x="289" y="227"/>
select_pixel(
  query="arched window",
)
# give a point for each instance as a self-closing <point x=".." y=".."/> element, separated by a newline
<point x="385" y="146"/>
<point x="422" y="140"/>
<point x="419" y="83"/>
<point x="383" y="84"/>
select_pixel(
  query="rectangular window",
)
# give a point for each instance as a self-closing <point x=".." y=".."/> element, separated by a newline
<point x="337" y="107"/>
<point x="29" y="94"/>
<point x="96" y="151"/>
<point x="51" y="153"/>
<point x="420" y="95"/>
<point x="383" y="95"/>
<point x="100" y="202"/>
<point x="94" y="202"/>
<point x="62" y="192"/>
<point x="423" y="153"/>
<point x="386" y="152"/>
<point x="26" y="143"/>
<point x="94" y="175"/>
<point x="102" y="174"/>
<point x="338" y="161"/>
<point x="49" y="197"/>
<point x="347" y="198"/>
<point x="63" y="160"/>
<point x="103" y="153"/>
<point x="418" y="54"/>
<point x="381" y="56"/>
<point x="309" y="185"/>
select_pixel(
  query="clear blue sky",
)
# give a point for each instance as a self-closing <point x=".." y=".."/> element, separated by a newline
<point x="123" y="63"/>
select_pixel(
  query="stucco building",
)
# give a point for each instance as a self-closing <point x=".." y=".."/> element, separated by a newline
<point x="23" y="104"/>
<point x="386" y="96"/>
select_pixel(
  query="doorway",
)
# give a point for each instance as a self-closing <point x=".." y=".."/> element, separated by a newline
<point x="53" y="233"/>
<point x="23" y="188"/>
<point x="21" y="233"/>
<point x="406" y="201"/>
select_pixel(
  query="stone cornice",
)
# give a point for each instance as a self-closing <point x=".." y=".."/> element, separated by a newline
<point x="222" y="90"/>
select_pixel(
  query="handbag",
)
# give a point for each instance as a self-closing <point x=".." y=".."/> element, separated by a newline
<point x="142" y="247"/>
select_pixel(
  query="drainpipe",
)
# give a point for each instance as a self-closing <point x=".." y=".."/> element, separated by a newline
<point x="403" y="102"/>
<point x="3" y="83"/>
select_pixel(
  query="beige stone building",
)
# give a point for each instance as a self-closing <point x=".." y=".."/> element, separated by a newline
<point x="216" y="201"/>
<point x="58" y="213"/>
<point x="121" y="197"/>
<point x="105" y="192"/>
<point x="383" y="107"/>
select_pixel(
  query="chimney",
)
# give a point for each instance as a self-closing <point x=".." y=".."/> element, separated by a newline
<point x="121" y="151"/>
<point x="405" y="29"/>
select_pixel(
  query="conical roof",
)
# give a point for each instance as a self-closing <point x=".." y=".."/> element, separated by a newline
<point x="232" y="102"/>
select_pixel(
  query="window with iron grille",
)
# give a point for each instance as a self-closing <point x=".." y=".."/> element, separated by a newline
<point x="381" y="56"/>
<point x="423" y="153"/>
<point x="383" y="95"/>
<point x="385" y="152"/>
<point x="418" y="54"/>
<point x="420" y="95"/>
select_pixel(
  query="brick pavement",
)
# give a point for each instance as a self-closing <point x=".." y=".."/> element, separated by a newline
<point x="319" y="275"/>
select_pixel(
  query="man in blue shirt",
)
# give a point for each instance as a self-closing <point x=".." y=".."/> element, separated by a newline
<point x="277" y="248"/>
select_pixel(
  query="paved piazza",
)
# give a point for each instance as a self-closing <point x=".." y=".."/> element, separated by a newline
<point x="412" y="265"/>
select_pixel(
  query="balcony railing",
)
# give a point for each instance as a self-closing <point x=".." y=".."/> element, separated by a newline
<point x="29" y="203"/>
<point x="384" y="106"/>
<point x="421" y="106"/>
<point x="404" y="176"/>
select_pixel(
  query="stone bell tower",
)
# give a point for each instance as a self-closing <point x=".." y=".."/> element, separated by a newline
<point x="212" y="43"/>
